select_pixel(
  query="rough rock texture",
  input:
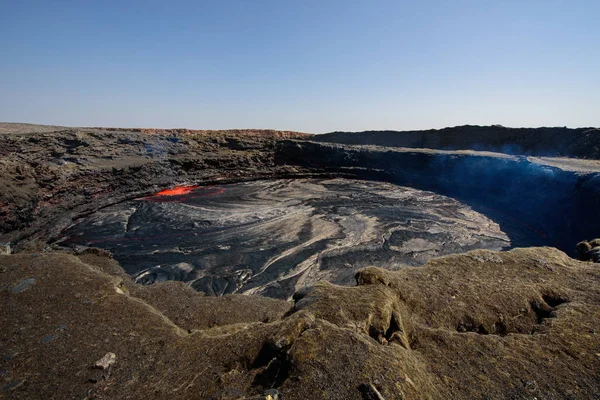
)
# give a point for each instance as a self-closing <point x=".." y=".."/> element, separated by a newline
<point x="273" y="237"/>
<point x="521" y="324"/>
<point x="49" y="177"/>
<point x="589" y="251"/>
<point x="553" y="197"/>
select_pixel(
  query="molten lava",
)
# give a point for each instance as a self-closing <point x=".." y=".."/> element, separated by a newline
<point x="182" y="193"/>
<point x="176" y="191"/>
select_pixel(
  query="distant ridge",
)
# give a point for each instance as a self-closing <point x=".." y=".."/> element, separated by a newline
<point x="19" y="127"/>
<point x="23" y="128"/>
<point x="545" y="141"/>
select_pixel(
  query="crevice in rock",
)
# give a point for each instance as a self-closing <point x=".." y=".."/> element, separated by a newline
<point x="275" y="365"/>
<point x="541" y="310"/>
<point x="393" y="333"/>
<point x="499" y="328"/>
<point x="546" y="308"/>
<point x="554" y="300"/>
<point x="376" y="334"/>
<point x="369" y="392"/>
<point x="468" y="324"/>
<point x="393" y="328"/>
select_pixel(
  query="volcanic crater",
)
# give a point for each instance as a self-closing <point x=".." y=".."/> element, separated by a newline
<point x="262" y="264"/>
<point x="274" y="237"/>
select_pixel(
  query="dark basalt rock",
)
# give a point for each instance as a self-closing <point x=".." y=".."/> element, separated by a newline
<point x="274" y="237"/>
<point x="553" y="197"/>
<point x="589" y="251"/>
<point x="548" y="141"/>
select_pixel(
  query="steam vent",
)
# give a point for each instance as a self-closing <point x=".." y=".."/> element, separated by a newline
<point x="460" y="263"/>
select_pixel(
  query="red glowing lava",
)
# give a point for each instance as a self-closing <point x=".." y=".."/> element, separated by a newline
<point x="183" y="193"/>
<point x="176" y="191"/>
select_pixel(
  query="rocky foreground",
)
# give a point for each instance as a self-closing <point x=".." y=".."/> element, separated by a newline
<point x="522" y="324"/>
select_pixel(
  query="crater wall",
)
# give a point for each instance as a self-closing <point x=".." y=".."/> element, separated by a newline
<point x="558" y="201"/>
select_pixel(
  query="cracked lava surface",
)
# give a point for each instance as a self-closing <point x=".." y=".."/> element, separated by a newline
<point x="274" y="237"/>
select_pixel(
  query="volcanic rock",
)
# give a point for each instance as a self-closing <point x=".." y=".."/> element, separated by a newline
<point x="516" y="324"/>
<point x="286" y="234"/>
<point x="547" y="141"/>
<point x="472" y="329"/>
<point x="589" y="251"/>
<point x="5" y="248"/>
<point x="105" y="362"/>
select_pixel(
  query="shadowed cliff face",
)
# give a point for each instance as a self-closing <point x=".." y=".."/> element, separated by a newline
<point x="274" y="237"/>
<point x="51" y="175"/>
<point x="558" y="204"/>
<point x="556" y="141"/>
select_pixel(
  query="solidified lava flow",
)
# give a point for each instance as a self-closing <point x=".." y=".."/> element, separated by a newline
<point x="273" y="237"/>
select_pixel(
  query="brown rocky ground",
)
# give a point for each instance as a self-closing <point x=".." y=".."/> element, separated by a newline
<point x="522" y="324"/>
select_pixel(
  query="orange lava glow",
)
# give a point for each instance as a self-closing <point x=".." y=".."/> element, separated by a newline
<point x="176" y="191"/>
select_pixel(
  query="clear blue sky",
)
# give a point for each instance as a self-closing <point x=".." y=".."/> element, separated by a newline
<point x="313" y="66"/>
